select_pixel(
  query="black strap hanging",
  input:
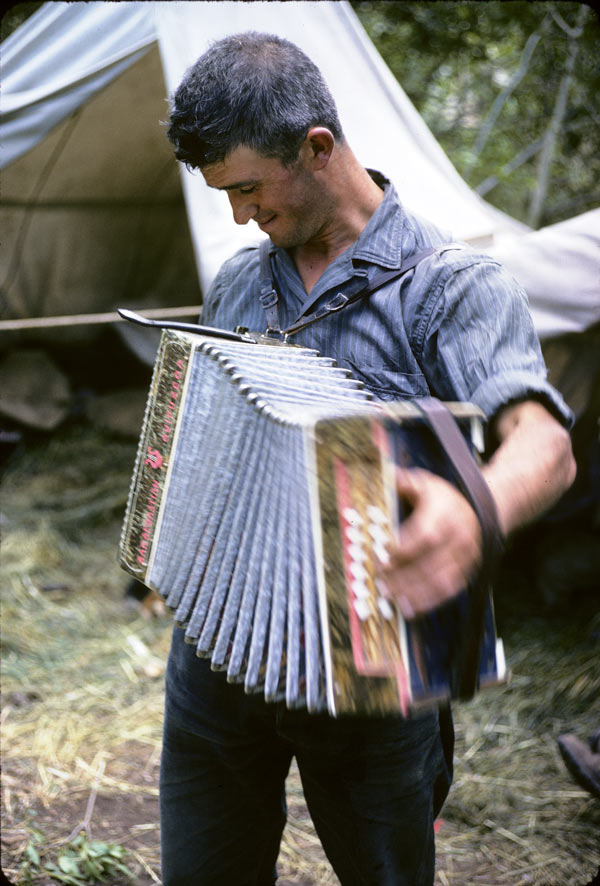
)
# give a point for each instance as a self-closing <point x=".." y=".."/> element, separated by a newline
<point x="269" y="297"/>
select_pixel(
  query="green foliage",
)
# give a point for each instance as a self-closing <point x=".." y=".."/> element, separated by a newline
<point x="14" y="15"/>
<point x="31" y="855"/>
<point x="487" y="77"/>
<point x="86" y="861"/>
<point x="81" y="862"/>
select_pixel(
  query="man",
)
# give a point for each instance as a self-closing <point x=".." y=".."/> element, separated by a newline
<point x="254" y="115"/>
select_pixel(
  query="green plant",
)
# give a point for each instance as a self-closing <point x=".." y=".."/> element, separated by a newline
<point x="31" y="862"/>
<point x="86" y="861"/>
<point x="80" y="863"/>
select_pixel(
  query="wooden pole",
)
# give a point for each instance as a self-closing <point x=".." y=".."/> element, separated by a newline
<point x="91" y="319"/>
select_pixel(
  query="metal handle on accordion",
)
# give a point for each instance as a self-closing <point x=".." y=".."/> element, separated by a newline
<point x="182" y="327"/>
<point x="251" y="338"/>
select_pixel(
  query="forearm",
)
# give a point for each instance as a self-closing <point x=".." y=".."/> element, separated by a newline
<point x="532" y="467"/>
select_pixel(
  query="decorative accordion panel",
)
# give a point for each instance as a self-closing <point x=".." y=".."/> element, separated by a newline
<point x="261" y="502"/>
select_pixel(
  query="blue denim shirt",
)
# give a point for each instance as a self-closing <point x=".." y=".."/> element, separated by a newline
<point x="457" y="327"/>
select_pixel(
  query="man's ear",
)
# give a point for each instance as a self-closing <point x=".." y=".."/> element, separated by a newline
<point x="318" y="145"/>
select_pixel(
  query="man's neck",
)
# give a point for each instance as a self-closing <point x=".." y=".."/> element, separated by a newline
<point x="353" y="197"/>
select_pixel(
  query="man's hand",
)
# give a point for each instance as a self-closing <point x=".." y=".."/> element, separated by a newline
<point x="437" y="548"/>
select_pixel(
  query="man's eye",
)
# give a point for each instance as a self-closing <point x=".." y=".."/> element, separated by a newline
<point x="248" y="190"/>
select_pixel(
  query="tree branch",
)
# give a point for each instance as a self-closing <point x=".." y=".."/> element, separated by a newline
<point x="552" y="132"/>
<point x="522" y="157"/>
<point x="503" y="96"/>
<point x="573" y="33"/>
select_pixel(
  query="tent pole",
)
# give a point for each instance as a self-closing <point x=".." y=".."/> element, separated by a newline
<point x="92" y="319"/>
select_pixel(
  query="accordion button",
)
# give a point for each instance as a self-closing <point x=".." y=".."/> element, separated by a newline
<point x="378" y="533"/>
<point x="385" y="608"/>
<point x="352" y="516"/>
<point x="359" y="571"/>
<point x="354" y="535"/>
<point x="357" y="552"/>
<point x="381" y="553"/>
<point x="362" y="609"/>
<point x="376" y="515"/>
<point x="360" y="590"/>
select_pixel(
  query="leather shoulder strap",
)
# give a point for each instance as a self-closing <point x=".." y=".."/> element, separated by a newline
<point x="269" y="296"/>
<point x="477" y="492"/>
<point x="341" y="300"/>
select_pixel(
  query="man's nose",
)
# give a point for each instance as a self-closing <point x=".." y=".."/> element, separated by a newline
<point x="244" y="208"/>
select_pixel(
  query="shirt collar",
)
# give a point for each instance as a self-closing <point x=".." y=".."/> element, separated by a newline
<point x="380" y="241"/>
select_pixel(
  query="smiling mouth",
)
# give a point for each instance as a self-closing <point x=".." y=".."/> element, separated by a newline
<point x="265" y="222"/>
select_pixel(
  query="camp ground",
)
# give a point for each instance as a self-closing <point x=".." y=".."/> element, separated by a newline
<point x="96" y="215"/>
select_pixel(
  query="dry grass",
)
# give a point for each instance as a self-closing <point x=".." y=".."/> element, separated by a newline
<point x="82" y="685"/>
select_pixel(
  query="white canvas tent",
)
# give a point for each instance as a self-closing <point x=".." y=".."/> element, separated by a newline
<point x="559" y="268"/>
<point x="92" y="196"/>
<point x="93" y="213"/>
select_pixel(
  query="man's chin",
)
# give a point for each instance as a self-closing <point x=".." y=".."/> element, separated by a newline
<point x="281" y="240"/>
<point x="286" y="239"/>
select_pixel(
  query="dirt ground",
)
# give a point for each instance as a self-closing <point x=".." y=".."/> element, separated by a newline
<point x="82" y="679"/>
<point x="131" y="820"/>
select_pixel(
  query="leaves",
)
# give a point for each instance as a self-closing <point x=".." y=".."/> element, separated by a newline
<point x="81" y="863"/>
<point x="89" y="861"/>
<point x="31" y="854"/>
<point x="486" y="78"/>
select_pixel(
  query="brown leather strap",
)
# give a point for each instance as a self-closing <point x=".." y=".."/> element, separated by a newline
<point x="477" y="492"/>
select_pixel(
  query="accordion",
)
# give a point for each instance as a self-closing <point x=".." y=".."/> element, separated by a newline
<point x="262" y="498"/>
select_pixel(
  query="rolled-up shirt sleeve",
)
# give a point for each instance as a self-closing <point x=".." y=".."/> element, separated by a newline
<point x="478" y="340"/>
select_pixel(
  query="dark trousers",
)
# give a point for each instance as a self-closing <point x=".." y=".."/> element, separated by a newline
<point x="373" y="786"/>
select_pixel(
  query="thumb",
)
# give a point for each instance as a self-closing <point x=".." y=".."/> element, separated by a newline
<point x="408" y="494"/>
<point x="408" y="486"/>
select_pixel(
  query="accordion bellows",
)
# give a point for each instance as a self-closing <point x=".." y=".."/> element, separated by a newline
<point x="261" y="500"/>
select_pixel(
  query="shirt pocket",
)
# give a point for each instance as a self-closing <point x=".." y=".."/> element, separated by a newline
<point x="388" y="384"/>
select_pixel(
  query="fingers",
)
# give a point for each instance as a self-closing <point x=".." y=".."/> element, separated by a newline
<point x="423" y="584"/>
<point x="437" y="547"/>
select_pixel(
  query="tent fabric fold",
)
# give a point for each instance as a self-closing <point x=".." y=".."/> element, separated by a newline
<point x="63" y="55"/>
<point x="559" y="268"/>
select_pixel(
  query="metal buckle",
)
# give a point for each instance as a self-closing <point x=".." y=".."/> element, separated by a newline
<point x="268" y="299"/>
<point x="337" y="302"/>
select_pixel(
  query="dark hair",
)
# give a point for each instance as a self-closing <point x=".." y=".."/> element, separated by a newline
<point x="250" y="89"/>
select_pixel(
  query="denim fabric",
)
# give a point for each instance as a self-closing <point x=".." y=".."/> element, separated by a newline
<point x="373" y="786"/>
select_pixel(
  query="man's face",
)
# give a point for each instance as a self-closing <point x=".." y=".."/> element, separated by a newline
<point x="285" y="201"/>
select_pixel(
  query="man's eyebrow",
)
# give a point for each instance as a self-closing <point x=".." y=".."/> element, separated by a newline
<point x="235" y="185"/>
